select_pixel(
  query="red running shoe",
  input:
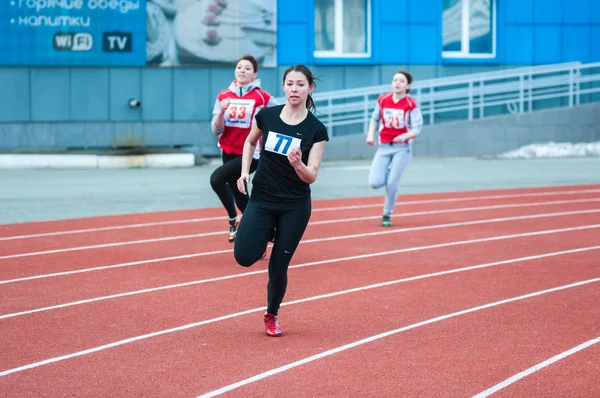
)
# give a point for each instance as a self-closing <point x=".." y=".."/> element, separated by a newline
<point x="272" y="325"/>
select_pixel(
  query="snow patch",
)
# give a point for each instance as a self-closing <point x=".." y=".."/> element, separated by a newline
<point x="553" y="150"/>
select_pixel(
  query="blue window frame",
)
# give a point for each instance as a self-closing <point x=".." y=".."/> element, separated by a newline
<point x="469" y="29"/>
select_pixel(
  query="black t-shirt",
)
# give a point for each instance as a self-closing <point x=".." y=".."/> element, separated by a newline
<point x="275" y="178"/>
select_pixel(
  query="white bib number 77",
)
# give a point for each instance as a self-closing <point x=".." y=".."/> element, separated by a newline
<point x="281" y="143"/>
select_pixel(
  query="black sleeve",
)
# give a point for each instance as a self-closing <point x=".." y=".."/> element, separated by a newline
<point x="321" y="135"/>
<point x="258" y="117"/>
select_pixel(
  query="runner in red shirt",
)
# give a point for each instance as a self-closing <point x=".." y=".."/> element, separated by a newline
<point x="232" y="120"/>
<point x="401" y="122"/>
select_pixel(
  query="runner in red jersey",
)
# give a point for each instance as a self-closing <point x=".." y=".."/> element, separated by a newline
<point x="401" y="122"/>
<point x="232" y="120"/>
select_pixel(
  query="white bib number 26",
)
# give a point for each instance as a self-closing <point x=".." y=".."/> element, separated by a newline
<point x="281" y="143"/>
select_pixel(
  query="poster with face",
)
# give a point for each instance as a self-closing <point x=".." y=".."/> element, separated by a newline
<point x="210" y="32"/>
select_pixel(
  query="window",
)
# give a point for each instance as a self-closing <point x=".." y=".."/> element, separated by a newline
<point x="342" y="28"/>
<point x="469" y="28"/>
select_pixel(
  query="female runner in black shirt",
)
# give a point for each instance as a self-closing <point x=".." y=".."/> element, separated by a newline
<point x="293" y="142"/>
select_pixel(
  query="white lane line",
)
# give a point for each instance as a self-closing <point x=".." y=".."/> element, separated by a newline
<point x="329" y="261"/>
<point x="535" y="368"/>
<point x="310" y="264"/>
<point x="262" y="308"/>
<point x="170" y="238"/>
<point x="460" y="209"/>
<point x="462" y="199"/>
<point x="197" y="220"/>
<point x="367" y="340"/>
<point x="390" y="231"/>
<point x="110" y="228"/>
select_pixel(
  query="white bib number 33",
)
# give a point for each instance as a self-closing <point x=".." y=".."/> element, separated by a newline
<point x="281" y="143"/>
<point x="239" y="113"/>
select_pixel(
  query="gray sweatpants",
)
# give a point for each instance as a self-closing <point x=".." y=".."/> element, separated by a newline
<point x="389" y="163"/>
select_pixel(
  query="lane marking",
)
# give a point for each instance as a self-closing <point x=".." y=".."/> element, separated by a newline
<point x="197" y="220"/>
<point x="345" y="347"/>
<point x="535" y="368"/>
<point x="308" y="299"/>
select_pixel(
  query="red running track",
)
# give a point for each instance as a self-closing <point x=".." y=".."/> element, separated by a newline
<point x="94" y="333"/>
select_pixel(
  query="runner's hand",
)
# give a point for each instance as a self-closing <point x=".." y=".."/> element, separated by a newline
<point x="224" y="105"/>
<point x="295" y="157"/>
<point x="242" y="182"/>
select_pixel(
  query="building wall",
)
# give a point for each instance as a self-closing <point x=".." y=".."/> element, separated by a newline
<point x="46" y="107"/>
<point x="487" y="136"/>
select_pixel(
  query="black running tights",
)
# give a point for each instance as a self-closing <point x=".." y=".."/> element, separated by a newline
<point x="224" y="182"/>
<point x="289" y="221"/>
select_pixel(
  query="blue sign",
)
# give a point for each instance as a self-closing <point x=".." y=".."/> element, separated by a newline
<point x="73" y="32"/>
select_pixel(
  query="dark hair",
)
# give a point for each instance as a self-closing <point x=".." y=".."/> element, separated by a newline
<point x="251" y="59"/>
<point x="310" y="77"/>
<point x="408" y="76"/>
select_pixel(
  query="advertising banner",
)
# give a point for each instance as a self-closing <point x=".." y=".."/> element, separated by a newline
<point x="137" y="32"/>
<point x="72" y="32"/>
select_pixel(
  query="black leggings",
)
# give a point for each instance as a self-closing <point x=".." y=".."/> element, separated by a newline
<point x="224" y="182"/>
<point x="289" y="221"/>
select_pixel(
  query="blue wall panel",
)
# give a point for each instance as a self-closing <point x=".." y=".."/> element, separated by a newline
<point x="191" y="93"/>
<point x="293" y="11"/>
<point x="576" y="43"/>
<point x="360" y="76"/>
<point x="423" y="44"/>
<point x="393" y="11"/>
<point x="394" y="43"/>
<point x="50" y="94"/>
<point x="595" y="44"/>
<point x="518" y="12"/>
<point x="518" y="45"/>
<point x="547" y="11"/>
<point x="595" y="12"/>
<point x="330" y="77"/>
<point x="424" y="11"/>
<point x="270" y="81"/>
<point x="14" y="95"/>
<point x="547" y="44"/>
<point x="156" y="94"/>
<point x="577" y="11"/>
<point x="124" y="84"/>
<point x="294" y="44"/>
<point x="89" y="94"/>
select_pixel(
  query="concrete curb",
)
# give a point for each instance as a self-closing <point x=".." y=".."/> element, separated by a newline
<point x="76" y="161"/>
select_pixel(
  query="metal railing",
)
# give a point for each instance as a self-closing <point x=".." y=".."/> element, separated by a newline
<point x="468" y="97"/>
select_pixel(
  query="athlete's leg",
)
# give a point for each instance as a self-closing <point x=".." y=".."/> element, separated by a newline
<point x="241" y="200"/>
<point x="400" y="161"/>
<point x="219" y="179"/>
<point x="291" y="225"/>
<point x="379" y="167"/>
<point x="253" y="233"/>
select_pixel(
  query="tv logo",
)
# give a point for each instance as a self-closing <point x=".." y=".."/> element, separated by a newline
<point x="116" y="42"/>
<point x="73" y="41"/>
